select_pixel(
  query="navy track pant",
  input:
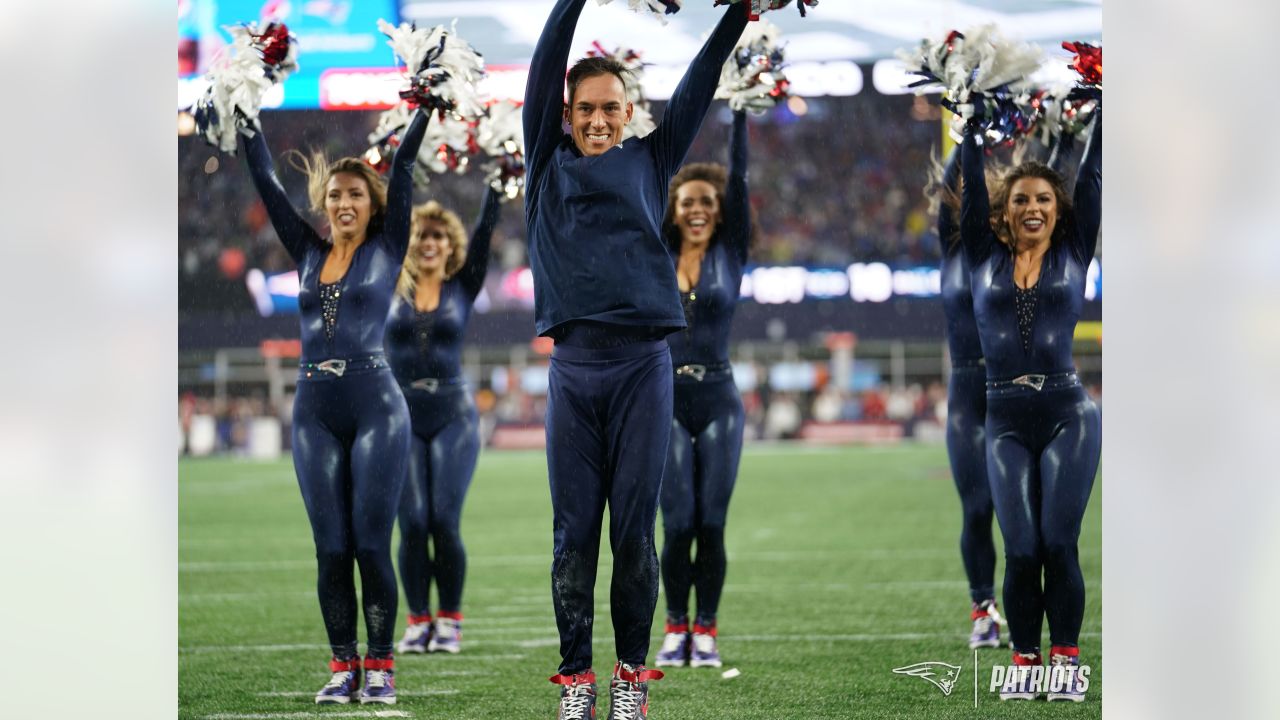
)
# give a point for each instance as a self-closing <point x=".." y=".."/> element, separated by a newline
<point x="442" y="460"/>
<point x="350" y="440"/>
<point x="702" y="466"/>
<point x="608" y="425"/>
<point x="967" y="450"/>
<point x="1042" y="455"/>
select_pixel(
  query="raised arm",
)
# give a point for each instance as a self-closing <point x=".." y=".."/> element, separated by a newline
<point x="400" y="186"/>
<point x="293" y="230"/>
<point x="975" y="205"/>
<point x="947" y="227"/>
<point x="692" y="97"/>
<point x="544" y="91"/>
<point x="1088" y="194"/>
<point x="737" y="202"/>
<point x="473" y="270"/>
<point x="1063" y="147"/>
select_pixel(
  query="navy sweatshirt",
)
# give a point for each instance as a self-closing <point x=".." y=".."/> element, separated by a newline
<point x="715" y="298"/>
<point x="429" y="344"/>
<point x="365" y="291"/>
<point x="594" y="223"/>
<point x="1061" y="283"/>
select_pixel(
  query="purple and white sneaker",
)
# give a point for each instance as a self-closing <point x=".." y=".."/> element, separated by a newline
<point x="379" y="681"/>
<point x="1024" y="688"/>
<point x="417" y="634"/>
<point x="676" y="646"/>
<point x="1065" y="682"/>
<point x="344" y="686"/>
<point x="986" y="625"/>
<point x="705" y="652"/>
<point x="447" y="635"/>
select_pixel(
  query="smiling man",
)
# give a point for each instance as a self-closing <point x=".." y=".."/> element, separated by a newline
<point x="606" y="293"/>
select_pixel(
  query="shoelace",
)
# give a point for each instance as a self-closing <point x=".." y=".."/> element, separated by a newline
<point x="338" y="680"/>
<point x="983" y="624"/>
<point x="415" y="632"/>
<point x="626" y="699"/>
<point x="376" y="679"/>
<point x="575" y="702"/>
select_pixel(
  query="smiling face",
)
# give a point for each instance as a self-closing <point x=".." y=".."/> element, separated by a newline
<point x="347" y="205"/>
<point x="431" y="247"/>
<point x="697" y="212"/>
<point x="597" y="113"/>
<point x="1032" y="211"/>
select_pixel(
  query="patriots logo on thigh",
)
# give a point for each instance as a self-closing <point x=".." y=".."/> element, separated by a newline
<point x="942" y="675"/>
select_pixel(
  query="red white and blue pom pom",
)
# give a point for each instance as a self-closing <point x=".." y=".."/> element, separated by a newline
<point x="253" y="63"/>
<point x="661" y="8"/>
<point x="978" y="67"/>
<point x="753" y="78"/>
<point x="756" y="8"/>
<point x="642" y="122"/>
<point x="500" y="134"/>
<point x="385" y="138"/>
<point x="443" y="69"/>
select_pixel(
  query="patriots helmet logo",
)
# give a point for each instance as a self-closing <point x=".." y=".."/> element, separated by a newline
<point x="942" y="675"/>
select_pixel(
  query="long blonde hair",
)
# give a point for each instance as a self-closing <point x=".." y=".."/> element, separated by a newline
<point x="319" y="171"/>
<point x="423" y="214"/>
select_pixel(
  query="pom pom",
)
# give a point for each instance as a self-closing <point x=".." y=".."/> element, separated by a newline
<point x="977" y="70"/>
<point x="753" y="78"/>
<point x="1088" y="62"/>
<point x="756" y="8"/>
<point x="661" y="8"/>
<point x="642" y="122"/>
<point x="446" y="145"/>
<point x="443" y="69"/>
<point x="253" y="63"/>
<point x="500" y="134"/>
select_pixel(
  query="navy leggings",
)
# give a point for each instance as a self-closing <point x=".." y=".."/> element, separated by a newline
<point x="350" y="439"/>
<point x="967" y="449"/>
<point x="442" y="459"/>
<point x="702" y="465"/>
<point x="1042" y="455"/>
<point x="608" y="425"/>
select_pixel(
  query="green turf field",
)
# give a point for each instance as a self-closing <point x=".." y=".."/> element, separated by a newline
<point x="843" y="564"/>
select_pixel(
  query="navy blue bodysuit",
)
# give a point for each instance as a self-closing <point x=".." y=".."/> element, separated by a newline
<point x="1043" y="432"/>
<point x="425" y="350"/>
<point x="350" y="423"/>
<point x="707" y="427"/>
<point x="605" y="289"/>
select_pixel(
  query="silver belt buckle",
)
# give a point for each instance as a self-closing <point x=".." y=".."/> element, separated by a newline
<point x="697" y="372"/>
<point x="1034" y="382"/>
<point x="337" y="367"/>
<point x="429" y="384"/>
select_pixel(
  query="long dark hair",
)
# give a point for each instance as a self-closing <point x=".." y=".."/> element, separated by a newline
<point x="718" y="176"/>
<point x="999" y="193"/>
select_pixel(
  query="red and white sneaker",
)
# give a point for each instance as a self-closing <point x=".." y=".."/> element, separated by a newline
<point x="629" y="691"/>
<point x="577" y="696"/>
<point x="344" y="686"/>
